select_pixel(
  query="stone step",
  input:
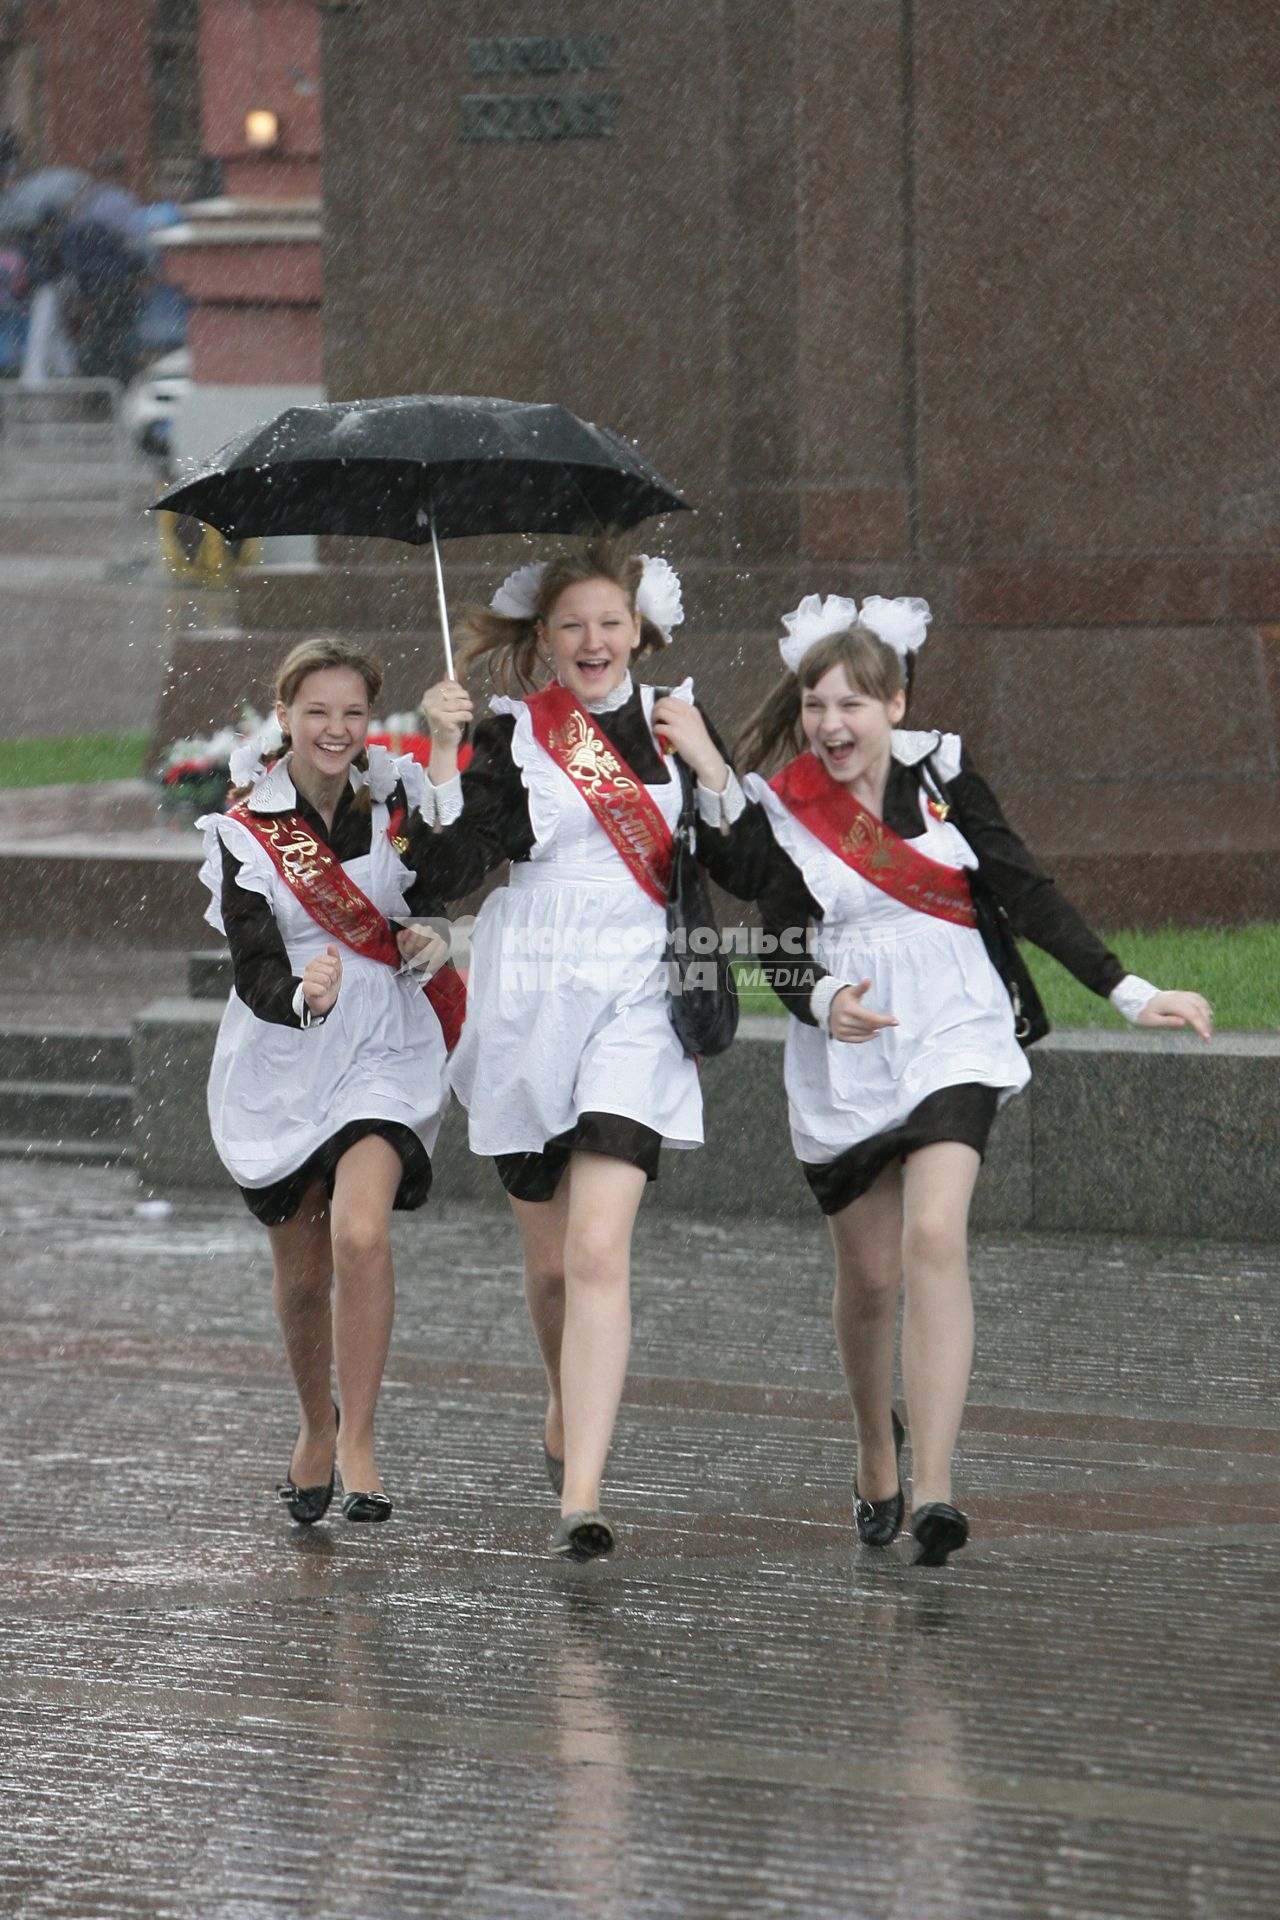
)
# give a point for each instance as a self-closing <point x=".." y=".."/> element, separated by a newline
<point x="72" y="1054"/>
<point x="65" y="1110"/>
<point x="85" y="1153"/>
<point x="135" y="889"/>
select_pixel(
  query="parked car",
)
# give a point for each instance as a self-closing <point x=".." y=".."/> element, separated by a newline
<point x="151" y="401"/>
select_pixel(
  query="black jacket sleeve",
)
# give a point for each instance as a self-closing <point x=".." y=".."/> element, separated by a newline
<point x="736" y="859"/>
<point x="264" y="979"/>
<point x="788" y="912"/>
<point x="494" y="824"/>
<point x="1036" y="910"/>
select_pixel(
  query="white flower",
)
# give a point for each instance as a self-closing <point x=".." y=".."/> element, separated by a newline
<point x="658" y="595"/>
<point x="899" y="623"/>
<point x="517" y="597"/>
<point x="813" y="620"/>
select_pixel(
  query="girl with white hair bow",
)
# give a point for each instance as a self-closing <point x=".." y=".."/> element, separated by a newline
<point x="569" y="1066"/>
<point x="892" y="871"/>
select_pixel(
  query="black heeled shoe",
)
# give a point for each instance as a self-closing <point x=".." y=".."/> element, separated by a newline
<point x="555" y="1469"/>
<point x="308" y="1504"/>
<point x="367" y="1506"/>
<point x="938" y="1530"/>
<point x="583" y="1536"/>
<point x="879" y="1522"/>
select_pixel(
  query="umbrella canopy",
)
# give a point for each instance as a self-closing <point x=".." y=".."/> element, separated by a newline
<point x="393" y="467"/>
<point x="39" y="197"/>
<point x="421" y="467"/>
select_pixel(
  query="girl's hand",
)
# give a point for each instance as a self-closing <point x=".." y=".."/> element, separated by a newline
<point x="447" y="709"/>
<point x="850" y="1021"/>
<point x="682" y="727"/>
<point x="321" y="979"/>
<point x="423" y="949"/>
<point x="1179" y="1010"/>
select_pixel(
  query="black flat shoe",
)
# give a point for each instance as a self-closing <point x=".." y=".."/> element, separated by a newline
<point x="555" y="1469"/>
<point x="878" y="1522"/>
<point x="367" y="1506"/>
<point x="308" y="1504"/>
<point x="583" y="1536"/>
<point x="938" y="1530"/>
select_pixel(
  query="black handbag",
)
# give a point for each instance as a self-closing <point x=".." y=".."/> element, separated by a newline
<point x="702" y="994"/>
<point x="1030" y="1021"/>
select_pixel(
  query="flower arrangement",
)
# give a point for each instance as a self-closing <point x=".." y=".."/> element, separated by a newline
<point x="196" y="775"/>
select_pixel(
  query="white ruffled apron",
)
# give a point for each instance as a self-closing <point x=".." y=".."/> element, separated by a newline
<point x="277" y="1093"/>
<point x="955" y="1022"/>
<point x="567" y="1001"/>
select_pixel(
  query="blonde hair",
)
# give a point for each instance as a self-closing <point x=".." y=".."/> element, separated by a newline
<point x="772" y="734"/>
<point x="313" y="655"/>
<point x="510" y="645"/>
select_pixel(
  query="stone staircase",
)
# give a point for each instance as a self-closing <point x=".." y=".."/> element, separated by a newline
<point x="66" y="1095"/>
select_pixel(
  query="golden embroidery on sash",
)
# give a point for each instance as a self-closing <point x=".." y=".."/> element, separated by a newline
<point x="587" y="759"/>
<point x="867" y="844"/>
<point x="299" y="850"/>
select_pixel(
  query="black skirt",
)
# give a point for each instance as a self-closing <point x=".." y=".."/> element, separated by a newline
<point x="964" y="1113"/>
<point x="535" y="1176"/>
<point x="279" y="1202"/>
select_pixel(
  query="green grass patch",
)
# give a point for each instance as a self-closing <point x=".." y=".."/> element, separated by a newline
<point x="74" y="760"/>
<point x="1236" y="968"/>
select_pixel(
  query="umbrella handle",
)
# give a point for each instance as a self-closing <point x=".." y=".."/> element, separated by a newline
<point x="444" y="611"/>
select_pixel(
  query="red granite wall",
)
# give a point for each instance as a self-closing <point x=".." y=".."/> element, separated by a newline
<point x="971" y="301"/>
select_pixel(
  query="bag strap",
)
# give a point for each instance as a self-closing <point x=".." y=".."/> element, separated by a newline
<point x="686" y="825"/>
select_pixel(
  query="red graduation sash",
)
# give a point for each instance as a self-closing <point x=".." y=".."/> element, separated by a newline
<point x="620" y="802"/>
<point x="852" y="832"/>
<point x="315" y="876"/>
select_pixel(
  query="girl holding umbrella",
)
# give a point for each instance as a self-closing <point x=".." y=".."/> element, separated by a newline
<point x="569" y="1067"/>
<point x="328" y="1078"/>
<point x="901" y="1043"/>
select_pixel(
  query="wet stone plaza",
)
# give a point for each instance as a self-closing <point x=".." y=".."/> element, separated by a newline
<point x="206" y="1711"/>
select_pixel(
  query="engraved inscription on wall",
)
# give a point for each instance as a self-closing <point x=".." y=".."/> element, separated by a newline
<point x="568" y="114"/>
<point x="542" y="53"/>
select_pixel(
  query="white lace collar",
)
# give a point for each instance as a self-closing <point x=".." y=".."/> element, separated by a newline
<point x="275" y="792"/>
<point x="610" y="702"/>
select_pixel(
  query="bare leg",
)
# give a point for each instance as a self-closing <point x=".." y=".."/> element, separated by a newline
<point x="937" y="1328"/>
<point x="604" y="1197"/>
<point x="543" y="1225"/>
<point x="364" y="1300"/>
<point x="867" y="1237"/>
<point x="303" y="1267"/>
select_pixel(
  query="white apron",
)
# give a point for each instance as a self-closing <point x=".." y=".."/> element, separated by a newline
<point x="277" y="1093"/>
<point x="567" y="1002"/>
<point x="955" y="1021"/>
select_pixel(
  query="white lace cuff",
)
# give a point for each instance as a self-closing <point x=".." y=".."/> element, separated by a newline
<point x="304" y="1012"/>
<point x="822" y="996"/>
<point x="441" y="805"/>
<point x="1132" y="995"/>
<point x="722" y="809"/>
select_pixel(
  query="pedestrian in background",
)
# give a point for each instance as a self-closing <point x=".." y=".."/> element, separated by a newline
<point x="904" y="1033"/>
<point x="328" y="1080"/>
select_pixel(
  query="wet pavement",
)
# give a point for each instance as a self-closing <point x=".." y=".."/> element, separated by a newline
<point x="207" y="1712"/>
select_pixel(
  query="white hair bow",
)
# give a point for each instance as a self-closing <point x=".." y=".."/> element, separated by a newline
<point x="246" y="759"/>
<point x="657" y="596"/>
<point x="900" y="623"/>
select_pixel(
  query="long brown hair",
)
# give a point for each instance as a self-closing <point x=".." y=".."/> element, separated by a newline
<point x="313" y="655"/>
<point x="773" y="734"/>
<point x="510" y="646"/>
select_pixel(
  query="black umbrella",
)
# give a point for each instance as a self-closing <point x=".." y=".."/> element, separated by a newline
<point x="424" y="467"/>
